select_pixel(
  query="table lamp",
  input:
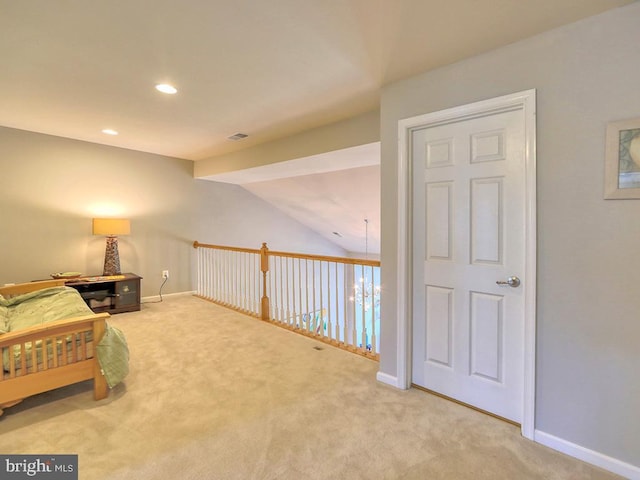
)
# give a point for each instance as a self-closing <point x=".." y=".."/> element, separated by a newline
<point x="111" y="227"/>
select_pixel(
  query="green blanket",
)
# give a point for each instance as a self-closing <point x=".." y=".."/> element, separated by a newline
<point x="113" y="355"/>
<point x="58" y="303"/>
<point x="43" y="306"/>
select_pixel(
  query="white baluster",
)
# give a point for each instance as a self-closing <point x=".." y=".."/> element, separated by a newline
<point x="288" y="309"/>
<point x="329" y="317"/>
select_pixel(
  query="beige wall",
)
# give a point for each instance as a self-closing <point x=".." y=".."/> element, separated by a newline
<point x="360" y="130"/>
<point x="52" y="187"/>
<point x="588" y="323"/>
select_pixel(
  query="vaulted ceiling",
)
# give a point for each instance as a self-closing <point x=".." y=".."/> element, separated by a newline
<point x="265" y="68"/>
<point x="332" y="193"/>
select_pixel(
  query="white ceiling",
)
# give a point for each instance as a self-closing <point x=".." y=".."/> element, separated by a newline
<point x="266" y="68"/>
<point x="332" y="192"/>
<point x="338" y="201"/>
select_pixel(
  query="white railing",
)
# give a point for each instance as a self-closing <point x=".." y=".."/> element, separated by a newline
<point x="230" y="276"/>
<point x="333" y="299"/>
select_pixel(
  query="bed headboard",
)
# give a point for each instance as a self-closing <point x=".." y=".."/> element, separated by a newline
<point x="20" y="288"/>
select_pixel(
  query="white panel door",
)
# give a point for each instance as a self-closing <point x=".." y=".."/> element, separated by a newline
<point x="469" y="234"/>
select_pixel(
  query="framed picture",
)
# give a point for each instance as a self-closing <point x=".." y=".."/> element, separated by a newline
<point x="622" y="162"/>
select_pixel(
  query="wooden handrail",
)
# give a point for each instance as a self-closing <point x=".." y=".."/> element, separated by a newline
<point x="197" y="244"/>
<point x="302" y="256"/>
<point x="324" y="258"/>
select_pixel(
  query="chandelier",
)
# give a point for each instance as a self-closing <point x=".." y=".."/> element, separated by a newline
<point x="365" y="293"/>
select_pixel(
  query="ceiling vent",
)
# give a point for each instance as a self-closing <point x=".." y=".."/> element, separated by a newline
<point x="238" y="136"/>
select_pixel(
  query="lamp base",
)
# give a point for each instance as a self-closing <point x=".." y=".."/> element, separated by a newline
<point x="111" y="257"/>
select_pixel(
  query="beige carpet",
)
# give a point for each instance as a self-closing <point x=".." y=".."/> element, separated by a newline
<point x="213" y="394"/>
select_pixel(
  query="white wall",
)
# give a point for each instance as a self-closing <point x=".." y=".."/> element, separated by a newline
<point x="588" y="330"/>
<point x="52" y="187"/>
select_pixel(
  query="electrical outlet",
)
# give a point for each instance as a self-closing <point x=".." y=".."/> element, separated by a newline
<point x="165" y="273"/>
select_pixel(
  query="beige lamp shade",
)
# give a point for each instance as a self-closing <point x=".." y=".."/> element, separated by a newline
<point x="111" y="226"/>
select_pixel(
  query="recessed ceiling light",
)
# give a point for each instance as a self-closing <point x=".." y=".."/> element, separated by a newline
<point x="166" y="88"/>
<point x="109" y="131"/>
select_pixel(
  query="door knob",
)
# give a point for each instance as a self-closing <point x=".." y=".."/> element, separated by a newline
<point x="511" y="281"/>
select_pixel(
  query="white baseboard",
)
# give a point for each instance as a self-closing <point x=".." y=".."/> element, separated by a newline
<point x="388" y="379"/>
<point x="156" y="298"/>
<point x="614" y="465"/>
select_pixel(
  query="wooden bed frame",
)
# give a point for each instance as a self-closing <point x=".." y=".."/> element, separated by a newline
<point x="35" y="373"/>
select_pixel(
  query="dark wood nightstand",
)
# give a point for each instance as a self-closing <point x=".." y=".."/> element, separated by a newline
<point x="113" y="294"/>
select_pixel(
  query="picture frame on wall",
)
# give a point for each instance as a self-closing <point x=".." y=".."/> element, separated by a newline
<point x="622" y="160"/>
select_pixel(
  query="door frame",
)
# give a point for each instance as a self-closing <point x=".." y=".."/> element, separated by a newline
<point x="525" y="101"/>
